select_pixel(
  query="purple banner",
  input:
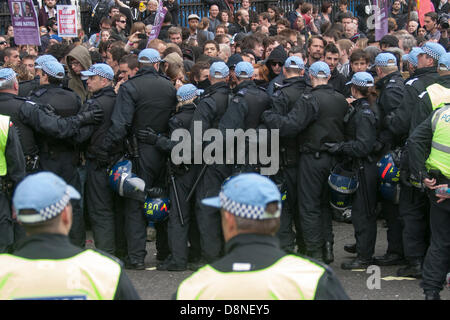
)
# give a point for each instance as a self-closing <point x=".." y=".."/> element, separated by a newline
<point x="381" y="18"/>
<point x="25" y="22"/>
<point x="159" y="19"/>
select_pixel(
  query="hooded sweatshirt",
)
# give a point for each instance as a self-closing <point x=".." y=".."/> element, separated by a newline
<point x="278" y="55"/>
<point x="81" y="54"/>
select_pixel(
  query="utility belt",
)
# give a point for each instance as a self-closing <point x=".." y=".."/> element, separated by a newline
<point x="31" y="163"/>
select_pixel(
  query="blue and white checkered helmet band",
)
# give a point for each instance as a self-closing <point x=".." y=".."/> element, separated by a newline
<point x="7" y="74"/>
<point x="246" y="211"/>
<point x="435" y="55"/>
<point x="362" y="83"/>
<point x="101" y="73"/>
<point x="190" y="96"/>
<point x="46" y="213"/>
<point x="54" y="69"/>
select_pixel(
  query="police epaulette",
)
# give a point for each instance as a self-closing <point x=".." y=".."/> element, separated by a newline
<point x="20" y="98"/>
<point x="411" y="81"/>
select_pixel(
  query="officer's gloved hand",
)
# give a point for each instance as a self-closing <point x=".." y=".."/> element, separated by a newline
<point x="334" y="147"/>
<point x="147" y="135"/>
<point x="48" y="109"/>
<point x="378" y="146"/>
<point x="90" y="117"/>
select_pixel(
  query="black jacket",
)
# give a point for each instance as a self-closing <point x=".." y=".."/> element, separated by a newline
<point x="337" y="81"/>
<point x="57" y="246"/>
<point x="391" y="89"/>
<point x="403" y="120"/>
<point x="145" y="100"/>
<point x="360" y="130"/>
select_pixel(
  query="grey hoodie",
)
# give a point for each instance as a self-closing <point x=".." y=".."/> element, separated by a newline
<point x="81" y="54"/>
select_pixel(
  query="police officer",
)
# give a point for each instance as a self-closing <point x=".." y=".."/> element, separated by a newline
<point x="254" y="266"/>
<point x="145" y="100"/>
<point x="56" y="155"/>
<point x="27" y="87"/>
<point x="429" y="155"/>
<point x="413" y="203"/>
<point x="360" y="137"/>
<point x="315" y="163"/>
<point x="391" y="89"/>
<point x="100" y="200"/>
<point x="184" y="175"/>
<point x="211" y="106"/>
<point x="282" y="102"/>
<point x="43" y="205"/>
<point x="12" y="166"/>
<point x="245" y="109"/>
<point x="28" y="116"/>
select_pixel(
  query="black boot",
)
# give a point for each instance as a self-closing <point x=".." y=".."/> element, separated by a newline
<point x="432" y="295"/>
<point x="350" y="248"/>
<point x="413" y="269"/>
<point x="328" y="256"/>
<point x="389" y="259"/>
<point x="357" y="263"/>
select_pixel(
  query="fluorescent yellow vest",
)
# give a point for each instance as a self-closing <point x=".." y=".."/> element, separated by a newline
<point x="290" y="278"/>
<point x="440" y="146"/>
<point x="439" y="95"/>
<point x="86" y="276"/>
<point x="4" y="130"/>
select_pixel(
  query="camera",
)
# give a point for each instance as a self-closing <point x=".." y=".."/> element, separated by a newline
<point x="443" y="21"/>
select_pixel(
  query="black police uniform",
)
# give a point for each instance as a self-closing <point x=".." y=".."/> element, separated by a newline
<point x="15" y="165"/>
<point x="61" y="156"/>
<point x="282" y="102"/>
<point x="184" y="176"/>
<point x="413" y="203"/>
<point x="57" y="246"/>
<point x="436" y="264"/>
<point x="360" y="136"/>
<point x="392" y="89"/>
<point x="314" y="169"/>
<point x="211" y="107"/>
<point x="145" y="100"/>
<point x="102" y="204"/>
<point x="26" y="87"/>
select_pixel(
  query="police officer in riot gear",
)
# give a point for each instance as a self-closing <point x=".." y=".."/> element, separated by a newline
<point x="101" y="202"/>
<point x="429" y="156"/>
<point x="315" y="163"/>
<point x="28" y="116"/>
<point x="282" y="102"/>
<point x="360" y="136"/>
<point x="182" y="177"/>
<point x="211" y="106"/>
<point x="12" y="164"/>
<point x="414" y="205"/>
<point x="56" y="155"/>
<point x="146" y="100"/>
<point x="391" y="88"/>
